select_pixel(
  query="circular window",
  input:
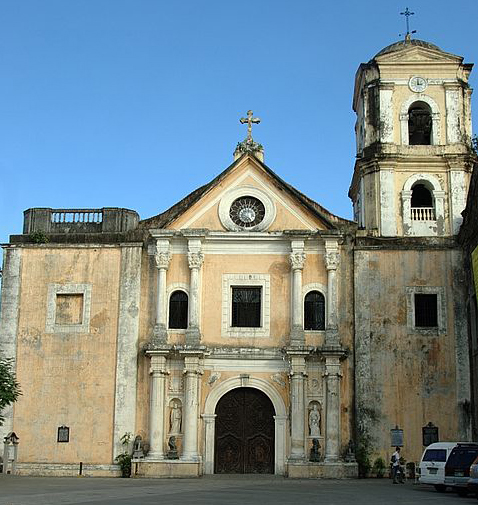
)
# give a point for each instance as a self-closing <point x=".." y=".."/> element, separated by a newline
<point x="247" y="211"/>
<point x="246" y="208"/>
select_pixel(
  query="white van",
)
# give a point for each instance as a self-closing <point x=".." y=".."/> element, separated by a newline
<point x="432" y="464"/>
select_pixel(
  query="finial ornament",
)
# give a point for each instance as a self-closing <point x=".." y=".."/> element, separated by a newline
<point x="249" y="120"/>
<point x="407" y="13"/>
<point x="248" y="145"/>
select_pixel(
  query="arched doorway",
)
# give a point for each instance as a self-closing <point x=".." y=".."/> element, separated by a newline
<point x="244" y="432"/>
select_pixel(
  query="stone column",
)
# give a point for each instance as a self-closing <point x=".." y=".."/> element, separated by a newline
<point x="163" y="258"/>
<point x="332" y="422"/>
<point x="297" y="260"/>
<point x="195" y="260"/>
<point x="156" y="410"/>
<point x="297" y="373"/>
<point x="192" y="372"/>
<point x="209" y="432"/>
<point x="331" y="263"/>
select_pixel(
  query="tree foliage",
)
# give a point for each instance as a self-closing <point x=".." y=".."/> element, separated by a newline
<point x="9" y="387"/>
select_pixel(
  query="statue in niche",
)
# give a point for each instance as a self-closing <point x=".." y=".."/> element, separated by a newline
<point x="138" y="451"/>
<point x="173" y="450"/>
<point x="314" y="422"/>
<point x="175" y="418"/>
<point x="315" y="451"/>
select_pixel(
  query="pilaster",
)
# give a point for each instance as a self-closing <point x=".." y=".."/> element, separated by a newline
<point x="297" y="407"/>
<point x="162" y="257"/>
<point x="10" y="303"/>
<point x="158" y="374"/>
<point x="333" y="376"/>
<point x="195" y="261"/>
<point x="331" y="263"/>
<point x="297" y="260"/>
<point x="127" y="344"/>
<point x="192" y="372"/>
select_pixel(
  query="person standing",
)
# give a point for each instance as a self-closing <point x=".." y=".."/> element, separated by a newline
<point x="396" y="472"/>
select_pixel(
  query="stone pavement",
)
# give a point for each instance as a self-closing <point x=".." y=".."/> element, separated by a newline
<point x="217" y="490"/>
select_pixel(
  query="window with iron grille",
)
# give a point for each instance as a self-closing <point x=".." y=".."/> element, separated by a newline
<point x="426" y="310"/>
<point x="314" y="311"/>
<point x="178" y="310"/>
<point x="246" y="307"/>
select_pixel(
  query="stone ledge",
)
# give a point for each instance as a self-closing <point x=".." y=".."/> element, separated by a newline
<point x="167" y="469"/>
<point x="66" y="470"/>
<point x="308" y="470"/>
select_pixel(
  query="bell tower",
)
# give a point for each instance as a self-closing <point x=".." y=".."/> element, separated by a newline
<point x="413" y="136"/>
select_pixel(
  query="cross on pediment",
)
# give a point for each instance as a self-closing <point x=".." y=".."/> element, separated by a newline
<point x="249" y="120"/>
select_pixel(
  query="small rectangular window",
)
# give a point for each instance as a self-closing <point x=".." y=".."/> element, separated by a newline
<point x="63" y="434"/>
<point x="426" y="310"/>
<point x="246" y="307"/>
<point x="69" y="309"/>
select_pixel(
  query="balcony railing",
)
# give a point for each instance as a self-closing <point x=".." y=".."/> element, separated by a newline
<point x="423" y="213"/>
<point x="77" y="216"/>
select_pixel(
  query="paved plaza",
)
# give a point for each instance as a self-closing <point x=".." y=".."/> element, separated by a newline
<point x="220" y="490"/>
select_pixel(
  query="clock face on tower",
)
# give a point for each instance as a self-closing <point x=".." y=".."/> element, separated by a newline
<point x="418" y="84"/>
<point x="247" y="211"/>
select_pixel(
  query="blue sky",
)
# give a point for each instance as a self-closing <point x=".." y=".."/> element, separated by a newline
<point x="135" y="103"/>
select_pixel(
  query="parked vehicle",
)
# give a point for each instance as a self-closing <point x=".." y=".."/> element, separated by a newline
<point x="432" y="465"/>
<point x="473" y="482"/>
<point x="457" y="467"/>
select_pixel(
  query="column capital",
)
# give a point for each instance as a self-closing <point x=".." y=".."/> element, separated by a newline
<point x="195" y="259"/>
<point x="331" y="254"/>
<point x="162" y="258"/>
<point x="208" y="417"/>
<point x="157" y="362"/>
<point x="192" y="362"/>
<point x="297" y="362"/>
<point x="297" y="260"/>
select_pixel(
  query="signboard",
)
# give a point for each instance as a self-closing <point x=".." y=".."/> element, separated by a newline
<point x="397" y="437"/>
<point x="429" y="434"/>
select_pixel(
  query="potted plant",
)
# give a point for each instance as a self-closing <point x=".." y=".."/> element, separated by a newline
<point x="124" y="459"/>
<point x="379" y="467"/>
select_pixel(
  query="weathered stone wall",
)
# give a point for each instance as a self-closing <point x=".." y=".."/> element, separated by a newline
<point x="404" y="376"/>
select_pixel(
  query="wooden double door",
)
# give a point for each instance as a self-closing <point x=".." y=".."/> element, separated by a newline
<point x="244" y="437"/>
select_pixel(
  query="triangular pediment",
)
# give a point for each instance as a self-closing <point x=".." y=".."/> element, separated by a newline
<point x="418" y="54"/>
<point x="284" y="207"/>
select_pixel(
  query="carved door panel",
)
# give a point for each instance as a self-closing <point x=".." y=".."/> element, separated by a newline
<point x="244" y="441"/>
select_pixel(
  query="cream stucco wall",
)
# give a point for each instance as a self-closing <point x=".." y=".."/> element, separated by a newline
<point x="67" y="378"/>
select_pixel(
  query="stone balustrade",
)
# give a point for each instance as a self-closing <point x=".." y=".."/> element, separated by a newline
<point x="104" y="220"/>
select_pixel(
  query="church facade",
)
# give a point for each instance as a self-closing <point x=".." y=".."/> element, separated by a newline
<point x="247" y="329"/>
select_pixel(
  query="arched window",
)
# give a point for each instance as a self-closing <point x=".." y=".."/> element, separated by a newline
<point x="314" y="311"/>
<point x="178" y="310"/>
<point x="422" y="206"/>
<point x="419" y="124"/>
